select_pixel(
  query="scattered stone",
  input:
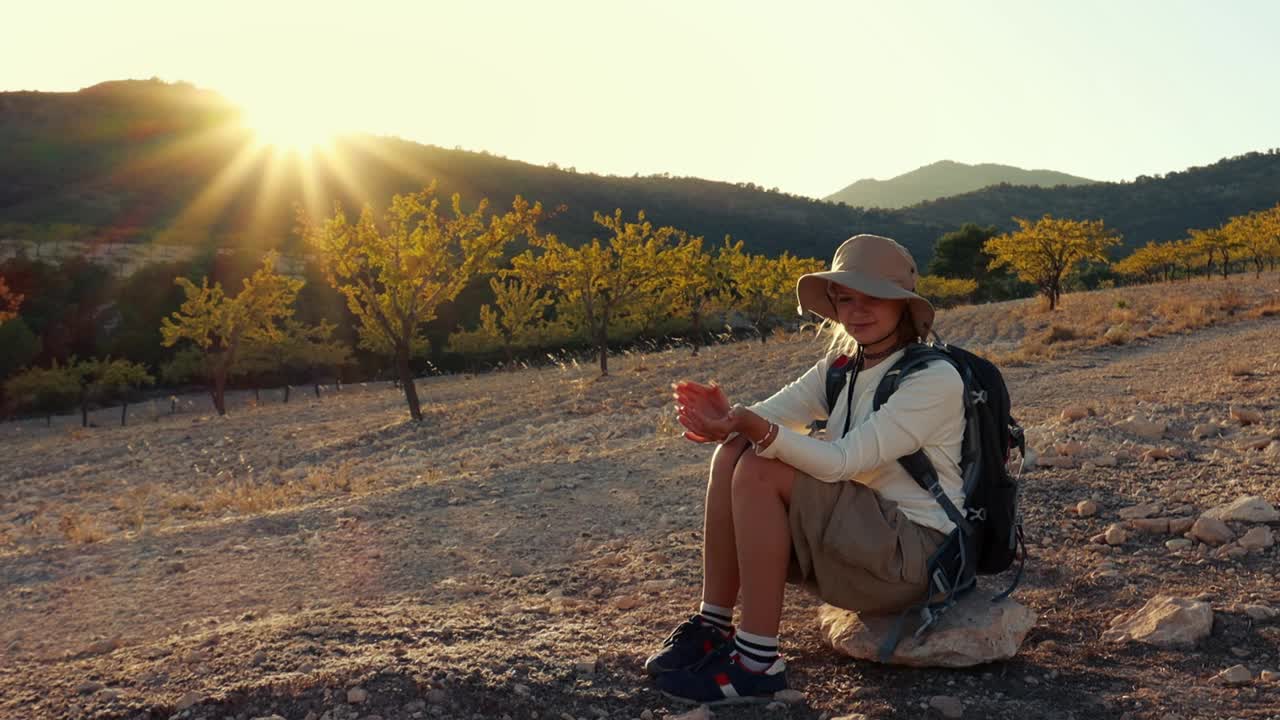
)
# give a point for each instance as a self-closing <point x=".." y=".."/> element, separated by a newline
<point x="518" y="568"/>
<point x="357" y="695"/>
<point x="1180" y="525"/>
<point x="775" y="706"/>
<point x="1151" y="526"/>
<point x="625" y="602"/>
<point x="651" y="586"/>
<point x="1146" y="429"/>
<point x="414" y="706"/>
<point x="1260" y="613"/>
<point x="1179" y="544"/>
<point x="1205" y="430"/>
<point x="105" y="645"/>
<point x="792" y="697"/>
<point x="1145" y="510"/>
<point x="436" y="696"/>
<point x="1249" y="508"/>
<point x="1165" y="622"/>
<point x="702" y="712"/>
<point x="1258" y="538"/>
<point x="975" y="631"/>
<point x="1071" y="413"/>
<point x="1257" y="442"/>
<point x="1086" y="508"/>
<point x="646" y="714"/>
<point x="89" y="687"/>
<point x="521" y="690"/>
<point x="1072" y="447"/>
<point x="1115" y="534"/>
<point x="1235" y="675"/>
<point x="1273" y="450"/>
<point x="1231" y="550"/>
<point x="259" y="657"/>
<point x="585" y="666"/>
<point x="1245" y="416"/>
<point x="947" y="705"/>
<point x="1269" y="676"/>
<point x="188" y="699"/>
<point x="1211" y="531"/>
<point x="273" y="716"/>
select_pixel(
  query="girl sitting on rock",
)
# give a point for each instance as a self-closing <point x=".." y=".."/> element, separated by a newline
<point x="838" y="516"/>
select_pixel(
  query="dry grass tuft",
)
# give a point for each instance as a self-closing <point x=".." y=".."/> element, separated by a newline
<point x="81" y="528"/>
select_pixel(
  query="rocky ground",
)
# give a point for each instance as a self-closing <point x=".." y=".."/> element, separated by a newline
<point x="520" y="552"/>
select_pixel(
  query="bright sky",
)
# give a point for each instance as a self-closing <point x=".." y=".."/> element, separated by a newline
<point x="807" y="97"/>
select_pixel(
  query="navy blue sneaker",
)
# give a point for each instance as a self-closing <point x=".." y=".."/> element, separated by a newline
<point x="691" y="641"/>
<point x="720" y="679"/>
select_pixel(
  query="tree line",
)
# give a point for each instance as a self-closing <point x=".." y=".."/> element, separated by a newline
<point x="395" y="272"/>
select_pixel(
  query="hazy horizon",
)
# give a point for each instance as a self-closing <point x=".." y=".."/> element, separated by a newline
<point x="807" y="99"/>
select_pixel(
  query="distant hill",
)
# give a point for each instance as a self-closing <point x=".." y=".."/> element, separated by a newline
<point x="136" y="157"/>
<point x="1160" y="207"/>
<point x="153" y="161"/>
<point x="944" y="178"/>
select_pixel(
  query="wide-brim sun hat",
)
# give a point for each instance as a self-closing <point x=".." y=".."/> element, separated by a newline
<point x="873" y="265"/>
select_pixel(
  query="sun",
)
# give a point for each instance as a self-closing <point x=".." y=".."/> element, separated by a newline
<point x="290" y="127"/>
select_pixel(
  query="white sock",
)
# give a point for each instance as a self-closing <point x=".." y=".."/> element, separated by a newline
<point x="755" y="652"/>
<point x="718" y="617"/>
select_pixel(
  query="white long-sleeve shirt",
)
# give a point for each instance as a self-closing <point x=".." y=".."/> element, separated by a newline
<point x="926" y="411"/>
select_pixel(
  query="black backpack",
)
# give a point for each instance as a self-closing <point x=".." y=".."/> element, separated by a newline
<point x="988" y="532"/>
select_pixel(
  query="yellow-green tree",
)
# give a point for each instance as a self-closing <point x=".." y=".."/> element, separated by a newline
<point x="9" y="302"/>
<point x="395" y="275"/>
<point x="945" y="291"/>
<point x="106" y="380"/>
<point x="601" y="281"/>
<point x="218" y="324"/>
<point x="701" y="283"/>
<point x="1256" y="235"/>
<point x="514" y="320"/>
<point x="1151" y="261"/>
<point x="1042" y="252"/>
<point x="765" y="288"/>
<point x="1216" y="245"/>
<point x="44" y="390"/>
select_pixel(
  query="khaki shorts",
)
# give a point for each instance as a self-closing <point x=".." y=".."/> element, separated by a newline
<point x="855" y="549"/>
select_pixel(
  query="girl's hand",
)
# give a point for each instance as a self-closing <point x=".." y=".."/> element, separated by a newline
<point x="703" y="410"/>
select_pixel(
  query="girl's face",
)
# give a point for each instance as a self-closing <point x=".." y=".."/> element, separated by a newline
<point x="868" y="319"/>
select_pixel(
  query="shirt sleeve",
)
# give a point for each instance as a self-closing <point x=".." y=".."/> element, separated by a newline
<point x="926" y="402"/>
<point x="799" y="403"/>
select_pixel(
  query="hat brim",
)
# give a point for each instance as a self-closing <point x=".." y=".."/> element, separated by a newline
<point x="811" y="293"/>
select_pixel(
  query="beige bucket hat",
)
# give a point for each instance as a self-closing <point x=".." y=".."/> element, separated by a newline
<point x="871" y="264"/>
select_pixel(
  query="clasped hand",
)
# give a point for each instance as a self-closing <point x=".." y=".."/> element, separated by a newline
<point x="704" y="411"/>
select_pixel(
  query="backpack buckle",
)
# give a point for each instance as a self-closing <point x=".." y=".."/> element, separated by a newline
<point x="936" y="490"/>
<point x="978" y="396"/>
<point x="979" y="514"/>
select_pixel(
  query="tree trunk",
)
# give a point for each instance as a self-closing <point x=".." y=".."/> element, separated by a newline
<point x="603" y="341"/>
<point x="697" y="332"/>
<point x="317" y="388"/>
<point x="124" y="411"/>
<point x="406" y="380"/>
<point x="287" y="388"/>
<point x="84" y="408"/>
<point x="256" y="399"/>
<point x="218" y="391"/>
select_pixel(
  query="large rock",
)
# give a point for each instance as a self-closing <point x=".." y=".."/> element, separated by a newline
<point x="1211" y="531"/>
<point x="975" y="631"/>
<point x="1258" y="538"/>
<point x="1249" y="508"/>
<point x="1164" y="621"/>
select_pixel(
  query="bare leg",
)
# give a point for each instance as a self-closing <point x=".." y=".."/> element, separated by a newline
<point x="761" y="496"/>
<point x="719" y="549"/>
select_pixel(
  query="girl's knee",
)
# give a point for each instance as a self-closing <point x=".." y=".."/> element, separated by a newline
<point x="754" y="472"/>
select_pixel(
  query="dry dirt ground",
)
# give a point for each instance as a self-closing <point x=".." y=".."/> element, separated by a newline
<point x="521" y="551"/>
